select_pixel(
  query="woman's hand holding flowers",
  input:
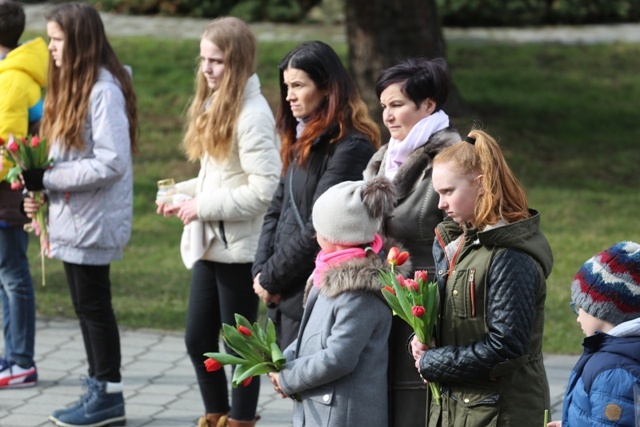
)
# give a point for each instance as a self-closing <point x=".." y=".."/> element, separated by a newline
<point x="415" y="301"/>
<point x="417" y="350"/>
<point x="31" y="205"/>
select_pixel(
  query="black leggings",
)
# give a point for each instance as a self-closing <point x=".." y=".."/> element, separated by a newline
<point x="90" y="289"/>
<point x="217" y="292"/>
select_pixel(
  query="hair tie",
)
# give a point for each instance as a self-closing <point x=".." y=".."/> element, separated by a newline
<point x="470" y="140"/>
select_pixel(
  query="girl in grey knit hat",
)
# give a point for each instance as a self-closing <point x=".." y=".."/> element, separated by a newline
<point x="338" y="363"/>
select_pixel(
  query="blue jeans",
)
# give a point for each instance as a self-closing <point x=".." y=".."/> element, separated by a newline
<point x="18" y="300"/>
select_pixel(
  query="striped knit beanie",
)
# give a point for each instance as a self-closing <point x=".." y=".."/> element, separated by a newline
<point x="607" y="286"/>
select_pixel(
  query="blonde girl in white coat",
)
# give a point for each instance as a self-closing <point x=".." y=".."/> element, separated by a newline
<point x="231" y="131"/>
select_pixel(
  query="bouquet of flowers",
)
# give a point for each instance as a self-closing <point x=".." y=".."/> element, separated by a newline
<point x="26" y="154"/>
<point x="413" y="300"/>
<point x="257" y="351"/>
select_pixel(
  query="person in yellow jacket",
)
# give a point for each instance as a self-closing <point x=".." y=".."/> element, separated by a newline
<point x="23" y="75"/>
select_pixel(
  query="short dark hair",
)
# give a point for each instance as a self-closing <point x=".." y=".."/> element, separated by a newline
<point x="12" y="21"/>
<point x="420" y="79"/>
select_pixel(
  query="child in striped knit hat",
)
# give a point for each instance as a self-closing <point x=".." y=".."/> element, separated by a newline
<point x="605" y="295"/>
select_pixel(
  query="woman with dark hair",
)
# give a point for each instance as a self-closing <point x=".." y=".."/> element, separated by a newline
<point x="90" y="120"/>
<point x="411" y="94"/>
<point x="327" y="137"/>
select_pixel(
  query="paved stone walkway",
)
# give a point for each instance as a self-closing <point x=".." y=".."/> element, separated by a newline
<point x="160" y="385"/>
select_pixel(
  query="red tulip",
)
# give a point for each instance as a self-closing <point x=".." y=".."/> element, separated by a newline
<point x="400" y="279"/>
<point x="246" y="381"/>
<point x="411" y="285"/>
<point x="16" y="185"/>
<point x="212" y="365"/>
<point x="389" y="289"/>
<point x="1" y="141"/>
<point x="13" y="146"/>
<point x="420" y="276"/>
<point x="396" y="257"/>
<point x="417" y="310"/>
<point x="35" y="141"/>
<point x="244" y="330"/>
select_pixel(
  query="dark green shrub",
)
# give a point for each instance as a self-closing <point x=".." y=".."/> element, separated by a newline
<point x="516" y="13"/>
<point x="249" y="10"/>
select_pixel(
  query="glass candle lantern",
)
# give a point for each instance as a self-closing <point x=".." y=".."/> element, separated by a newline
<point x="166" y="190"/>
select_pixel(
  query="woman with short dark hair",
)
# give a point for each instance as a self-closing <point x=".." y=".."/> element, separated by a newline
<point x="411" y="94"/>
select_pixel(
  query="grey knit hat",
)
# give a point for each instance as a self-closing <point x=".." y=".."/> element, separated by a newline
<point x="350" y="213"/>
<point x="607" y="286"/>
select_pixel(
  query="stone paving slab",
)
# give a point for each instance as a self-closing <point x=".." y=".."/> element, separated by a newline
<point x="160" y="385"/>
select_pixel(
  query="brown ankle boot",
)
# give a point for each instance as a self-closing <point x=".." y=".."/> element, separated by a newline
<point x="213" y="420"/>
<point x="235" y="423"/>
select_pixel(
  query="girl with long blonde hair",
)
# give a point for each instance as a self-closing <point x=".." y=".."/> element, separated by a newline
<point x="231" y="132"/>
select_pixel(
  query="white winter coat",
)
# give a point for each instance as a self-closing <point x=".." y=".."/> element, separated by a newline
<point x="233" y="195"/>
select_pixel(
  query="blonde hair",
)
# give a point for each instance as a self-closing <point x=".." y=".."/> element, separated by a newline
<point x="503" y="197"/>
<point x="212" y="115"/>
<point x="86" y="49"/>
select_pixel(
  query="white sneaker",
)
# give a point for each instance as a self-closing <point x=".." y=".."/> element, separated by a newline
<point x="13" y="375"/>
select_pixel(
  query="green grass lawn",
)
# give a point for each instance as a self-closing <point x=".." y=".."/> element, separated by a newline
<point x="565" y="116"/>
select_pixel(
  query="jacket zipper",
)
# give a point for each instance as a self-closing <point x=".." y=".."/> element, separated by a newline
<point x="224" y="237"/>
<point x="67" y="196"/>
<point x="472" y="292"/>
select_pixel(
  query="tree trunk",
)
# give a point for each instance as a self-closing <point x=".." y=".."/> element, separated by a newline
<point x="381" y="32"/>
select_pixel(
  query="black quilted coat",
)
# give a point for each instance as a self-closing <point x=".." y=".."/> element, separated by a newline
<point x="286" y="252"/>
<point x="488" y="358"/>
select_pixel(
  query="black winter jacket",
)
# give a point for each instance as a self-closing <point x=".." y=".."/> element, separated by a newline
<point x="286" y="252"/>
<point x="10" y="206"/>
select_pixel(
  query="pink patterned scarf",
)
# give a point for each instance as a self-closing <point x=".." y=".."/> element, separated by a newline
<point x="325" y="260"/>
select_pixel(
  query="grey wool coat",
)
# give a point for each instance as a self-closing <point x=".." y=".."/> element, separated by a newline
<point x="339" y="361"/>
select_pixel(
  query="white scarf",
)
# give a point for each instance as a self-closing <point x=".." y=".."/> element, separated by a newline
<point x="399" y="151"/>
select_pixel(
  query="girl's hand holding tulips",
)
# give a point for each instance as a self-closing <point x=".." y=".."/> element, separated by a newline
<point x="30" y="206"/>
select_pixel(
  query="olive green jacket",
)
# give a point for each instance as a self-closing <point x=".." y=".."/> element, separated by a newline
<point x="488" y="358"/>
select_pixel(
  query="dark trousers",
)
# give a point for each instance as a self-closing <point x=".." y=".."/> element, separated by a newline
<point x="90" y="289"/>
<point x="217" y="292"/>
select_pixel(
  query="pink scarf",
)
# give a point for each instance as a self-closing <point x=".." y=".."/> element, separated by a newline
<point x="419" y="135"/>
<point x="326" y="260"/>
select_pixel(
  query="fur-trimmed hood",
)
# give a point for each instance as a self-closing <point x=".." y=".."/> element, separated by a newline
<point x="359" y="274"/>
<point x="411" y="172"/>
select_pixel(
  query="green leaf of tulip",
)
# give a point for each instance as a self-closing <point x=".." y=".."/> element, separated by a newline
<point x="226" y="359"/>
<point x="276" y="355"/>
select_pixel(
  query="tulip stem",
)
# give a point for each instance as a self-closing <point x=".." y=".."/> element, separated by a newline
<point x="435" y="392"/>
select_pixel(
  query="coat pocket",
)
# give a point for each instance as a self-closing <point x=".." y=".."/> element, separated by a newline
<point x="470" y="405"/>
<point x="463" y="293"/>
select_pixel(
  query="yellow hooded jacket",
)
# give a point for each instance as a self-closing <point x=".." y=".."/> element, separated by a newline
<point x="23" y="76"/>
